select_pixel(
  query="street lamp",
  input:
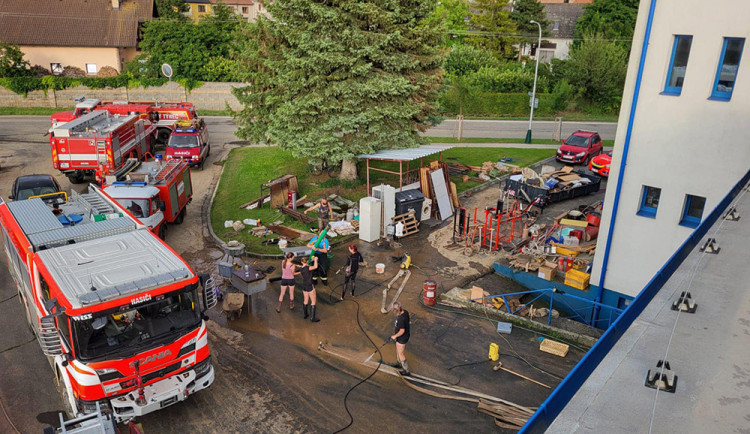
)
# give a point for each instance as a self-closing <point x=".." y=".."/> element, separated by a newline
<point x="533" y="91"/>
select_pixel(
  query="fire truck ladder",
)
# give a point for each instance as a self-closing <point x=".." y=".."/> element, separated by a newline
<point x="94" y="202"/>
<point x="167" y="170"/>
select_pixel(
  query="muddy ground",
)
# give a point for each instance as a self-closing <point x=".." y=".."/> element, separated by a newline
<point x="270" y="375"/>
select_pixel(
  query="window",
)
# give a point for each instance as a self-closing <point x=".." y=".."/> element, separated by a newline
<point x="649" y="202"/>
<point x="201" y="8"/>
<point x="91" y="68"/>
<point x="556" y="27"/>
<point x="693" y="211"/>
<point x="678" y="64"/>
<point x="245" y="10"/>
<point x="729" y="63"/>
<point x="56" y="68"/>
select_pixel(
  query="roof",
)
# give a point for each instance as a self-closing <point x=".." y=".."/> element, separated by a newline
<point x="565" y="16"/>
<point x="130" y="192"/>
<point x="105" y="269"/>
<point x="235" y="2"/>
<point x="408" y="154"/>
<point x="707" y="351"/>
<point x="73" y="23"/>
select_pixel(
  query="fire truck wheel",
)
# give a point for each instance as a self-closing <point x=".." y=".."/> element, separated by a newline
<point x="181" y="216"/>
<point x="208" y="151"/>
<point x="28" y="315"/>
<point x="75" y="177"/>
<point x="69" y="411"/>
<point x="163" y="231"/>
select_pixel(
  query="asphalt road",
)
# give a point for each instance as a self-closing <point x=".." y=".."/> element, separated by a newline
<point x="517" y="129"/>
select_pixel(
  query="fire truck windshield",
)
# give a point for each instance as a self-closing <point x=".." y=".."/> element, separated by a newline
<point x="183" y="141"/>
<point x="129" y="329"/>
<point x="140" y="208"/>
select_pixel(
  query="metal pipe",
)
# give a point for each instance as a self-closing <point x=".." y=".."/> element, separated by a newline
<point x="536" y="72"/>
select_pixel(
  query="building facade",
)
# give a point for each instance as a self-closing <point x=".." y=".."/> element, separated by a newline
<point x="250" y="10"/>
<point x="682" y="136"/>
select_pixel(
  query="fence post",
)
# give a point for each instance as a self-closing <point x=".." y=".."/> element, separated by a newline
<point x="54" y="97"/>
<point x="558" y="128"/>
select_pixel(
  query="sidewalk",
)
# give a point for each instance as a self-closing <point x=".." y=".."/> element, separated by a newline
<point x="503" y="145"/>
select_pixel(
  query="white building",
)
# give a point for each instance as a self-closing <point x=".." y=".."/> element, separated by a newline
<point x="682" y="137"/>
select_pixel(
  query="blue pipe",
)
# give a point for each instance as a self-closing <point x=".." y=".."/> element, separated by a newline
<point x="623" y="162"/>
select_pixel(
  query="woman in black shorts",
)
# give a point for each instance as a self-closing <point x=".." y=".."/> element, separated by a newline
<point x="287" y="280"/>
<point x="308" y="290"/>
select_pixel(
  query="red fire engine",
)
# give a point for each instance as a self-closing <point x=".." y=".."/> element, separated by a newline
<point x="115" y="309"/>
<point x="100" y="144"/>
<point x="167" y="113"/>
<point x="156" y="193"/>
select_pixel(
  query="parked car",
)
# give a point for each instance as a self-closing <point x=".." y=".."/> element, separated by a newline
<point x="580" y="147"/>
<point x="600" y="164"/>
<point x="28" y="186"/>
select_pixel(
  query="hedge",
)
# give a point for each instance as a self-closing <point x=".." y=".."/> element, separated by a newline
<point x="24" y="85"/>
<point x="494" y="104"/>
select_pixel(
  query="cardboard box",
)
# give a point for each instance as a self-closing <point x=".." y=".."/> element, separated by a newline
<point x="547" y="273"/>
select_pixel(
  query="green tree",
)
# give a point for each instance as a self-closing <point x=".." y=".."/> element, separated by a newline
<point x="494" y="29"/>
<point x="202" y="51"/>
<point x="330" y="80"/>
<point x="454" y="16"/>
<point x="597" y="69"/>
<point x="11" y="61"/>
<point x="612" y="19"/>
<point x="464" y="59"/>
<point x="172" y="9"/>
<point x="526" y="10"/>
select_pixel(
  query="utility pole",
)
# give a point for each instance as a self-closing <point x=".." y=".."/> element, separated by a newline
<point x="533" y="91"/>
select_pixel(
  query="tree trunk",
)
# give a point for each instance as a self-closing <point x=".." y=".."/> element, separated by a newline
<point x="348" y="169"/>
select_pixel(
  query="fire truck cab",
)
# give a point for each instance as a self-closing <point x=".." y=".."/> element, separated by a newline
<point x="156" y="193"/>
<point x="115" y="309"/>
<point x="189" y="142"/>
<point x="83" y="106"/>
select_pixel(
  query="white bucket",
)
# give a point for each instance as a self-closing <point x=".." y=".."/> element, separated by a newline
<point x="380" y="268"/>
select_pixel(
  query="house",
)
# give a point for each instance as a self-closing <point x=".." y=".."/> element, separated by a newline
<point x="563" y="18"/>
<point x="681" y="165"/>
<point x="83" y="33"/>
<point x="250" y="10"/>
<point x="198" y="9"/>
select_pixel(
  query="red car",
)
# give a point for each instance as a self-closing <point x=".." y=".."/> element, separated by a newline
<point x="580" y="147"/>
<point x="600" y="164"/>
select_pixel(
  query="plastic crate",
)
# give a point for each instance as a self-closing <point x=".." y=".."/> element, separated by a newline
<point x="577" y="279"/>
<point x="553" y="347"/>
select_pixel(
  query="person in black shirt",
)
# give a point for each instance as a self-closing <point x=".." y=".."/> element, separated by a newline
<point x="401" y="336"/>
<point x="352" y="266"/>
<point x="308" y="290"/>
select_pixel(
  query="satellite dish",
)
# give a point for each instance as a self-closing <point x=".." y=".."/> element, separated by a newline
<point x="166" y="70"/>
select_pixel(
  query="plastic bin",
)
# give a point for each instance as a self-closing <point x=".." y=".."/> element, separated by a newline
<point x="409" y="200"/>
<point x="577" y="279"/>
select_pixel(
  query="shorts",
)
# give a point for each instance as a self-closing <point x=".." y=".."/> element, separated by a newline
<point x="402" y="339"/>
<point x="287" y="282"/>
<point x="307" y="288"/>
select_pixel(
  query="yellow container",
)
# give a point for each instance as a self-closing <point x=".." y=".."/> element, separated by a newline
<point x="494" y="352"/>
<point x="565" y="252"/>
<point x="577" y="279"/>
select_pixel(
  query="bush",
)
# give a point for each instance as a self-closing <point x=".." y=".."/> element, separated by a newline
<point x="39" y="71"/>
<point x="505" y="81"/>
<point x="107" y="71"/>
<point x="465" y="59"/>
<point x="494" y="103"/>
<point x="563" y="95"/>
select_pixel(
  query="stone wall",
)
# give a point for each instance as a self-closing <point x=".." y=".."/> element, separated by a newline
<point x="210" y="96"/>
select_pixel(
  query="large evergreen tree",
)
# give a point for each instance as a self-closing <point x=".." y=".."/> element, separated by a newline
<point x="330" y="80"/>
<point x="611" y="19"/>
<point x="494" y="30"/>
<point x="526" y="10"/>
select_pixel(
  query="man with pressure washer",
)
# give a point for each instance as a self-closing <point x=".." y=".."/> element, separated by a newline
<point x="321" y="252"/>
<point x="401" y="337"/>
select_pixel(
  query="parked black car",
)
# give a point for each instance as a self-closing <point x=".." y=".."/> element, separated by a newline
<point x="27" y="186"/>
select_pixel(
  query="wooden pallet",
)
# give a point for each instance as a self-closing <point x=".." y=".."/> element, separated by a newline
<point x="411" y="225"/>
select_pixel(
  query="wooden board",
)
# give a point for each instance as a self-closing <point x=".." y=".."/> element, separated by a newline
<point x="577" y="223"/>
<point x="454" y="196"/>
<point x="441" y="194"/>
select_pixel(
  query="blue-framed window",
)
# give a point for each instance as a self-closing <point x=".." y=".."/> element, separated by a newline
<point x="678" y="64"/>
<point x="729" y="64"/>
<point x="649" y="201"/>
<point x="692" y="213"/>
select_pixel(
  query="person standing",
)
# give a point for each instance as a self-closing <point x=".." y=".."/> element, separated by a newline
<point x="353" y="262"/>
<point x="287" y="280"/>
<point x="401" y="337"/>
<point x="321" y="252"/>
<point x="324" y="213"/>
<point x="308" y="289"/>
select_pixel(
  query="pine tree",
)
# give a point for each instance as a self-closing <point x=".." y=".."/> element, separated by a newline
<point x="495" y="30"/>
<point x="330" y="80"/>
<point x="526" y="10"/>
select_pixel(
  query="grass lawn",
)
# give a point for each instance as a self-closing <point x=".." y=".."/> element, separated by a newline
<point x="247" y="168"/>
<point x="26" y="111"/>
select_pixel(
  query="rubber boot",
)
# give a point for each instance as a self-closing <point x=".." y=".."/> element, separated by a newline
<point x="313" y="318"/>
<point x="291" y="304"/>
<point x="305" y="311"/>
<point x="354" y="283"/>
<point x="404" y="368"/>
<point x="278" y="307"/>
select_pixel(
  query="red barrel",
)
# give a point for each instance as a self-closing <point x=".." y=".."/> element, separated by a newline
<point x="594" y="218"/>
<point x="429" y="292"/>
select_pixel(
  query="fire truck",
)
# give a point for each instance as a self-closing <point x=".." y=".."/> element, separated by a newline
<point x="165" y="117"/>
<point x="115" y="309"/>
<point x="100" y="144"/>
<point x="189" y="142"/>
<point x="156" y="193"/>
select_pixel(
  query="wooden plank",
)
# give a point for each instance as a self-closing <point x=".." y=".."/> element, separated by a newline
<point x="301" y="201"/>
<point x="454" y="196"/>
<point x="441" y="194"/>
<point x="577" y="223"/>
<point x="284" y="231"/>
<point x="253" y="201"/>
<point x="293" y="184"/>
<point x="304" y="218"/>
